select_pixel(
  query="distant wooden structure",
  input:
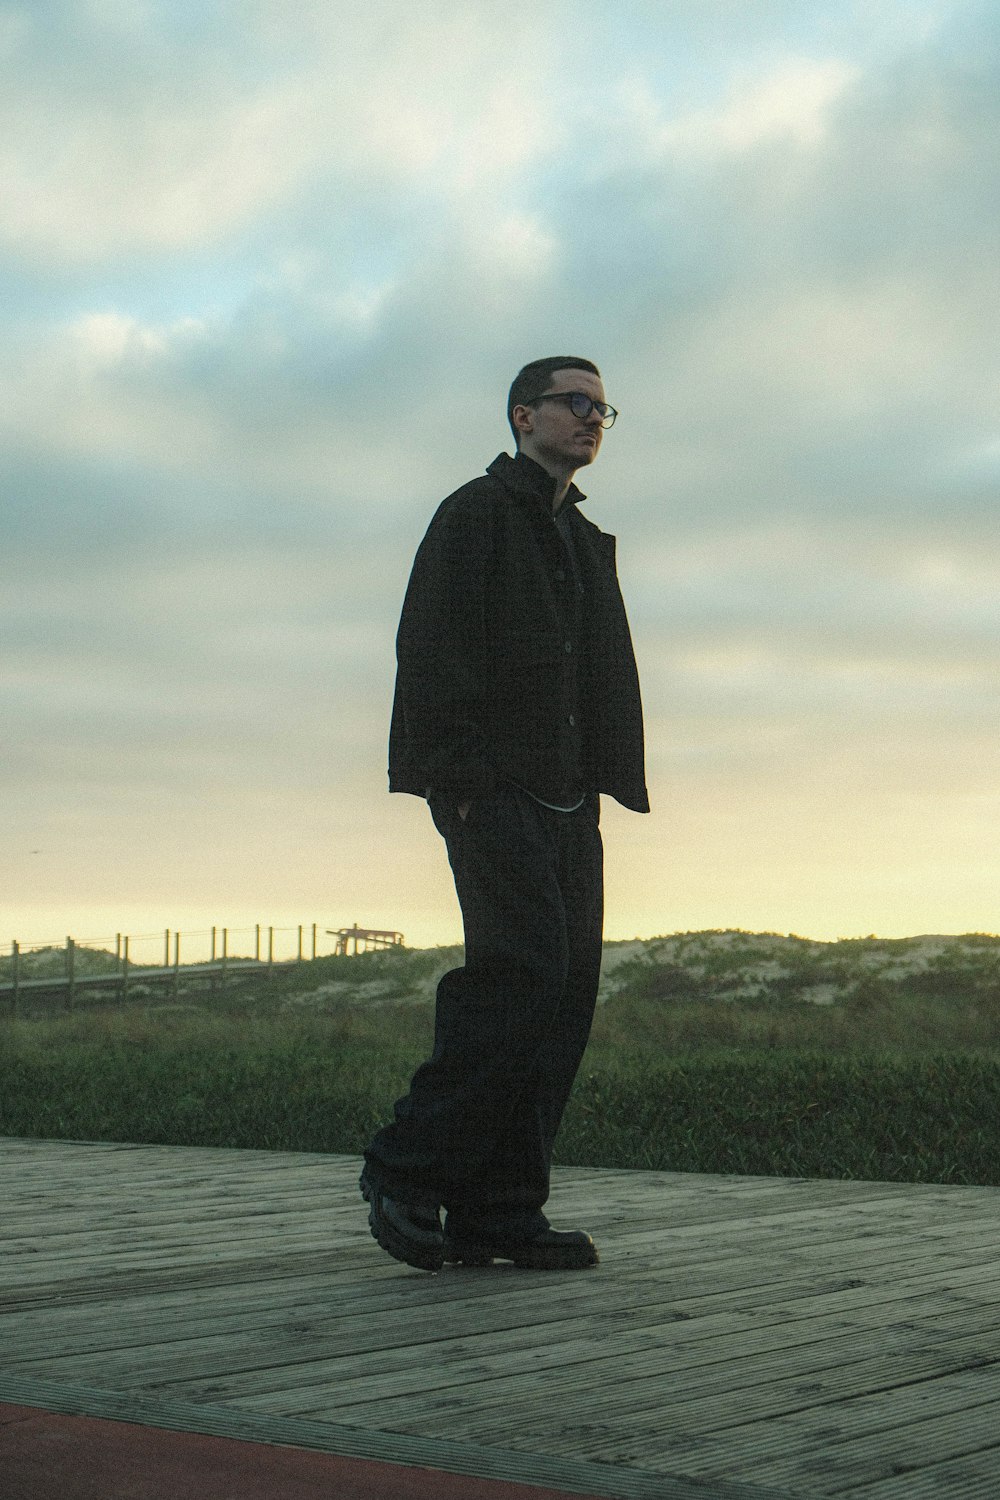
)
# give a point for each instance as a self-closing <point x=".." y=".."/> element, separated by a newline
<point x="364" y="939"/>
<point x="221" y="966"/>
<point x="73" y="971"/>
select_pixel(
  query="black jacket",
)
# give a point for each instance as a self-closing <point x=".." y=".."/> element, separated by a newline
<point x="492" y="608"/>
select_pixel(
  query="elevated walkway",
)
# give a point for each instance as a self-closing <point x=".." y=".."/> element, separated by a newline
<point x="742" y="1338"/>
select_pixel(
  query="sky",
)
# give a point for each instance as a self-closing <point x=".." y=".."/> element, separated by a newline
<point x="266" y="273"/>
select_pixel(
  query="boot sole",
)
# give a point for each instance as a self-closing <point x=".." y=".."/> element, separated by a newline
<point x="393" y="1242"/>
<point x="579" y="1259"/>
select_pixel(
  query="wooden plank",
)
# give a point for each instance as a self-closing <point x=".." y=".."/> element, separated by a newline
<point x="804" y="1335"/>
<point x="637" y="1284"/>
<point x="66" y="1217"/>
<point x="136" y="975"/>
<point x="142" y="1239"/>
<point x="865" y="1447"/>
<point x="966" y="1478"/>
<point x="700" y="1394"/>
<point x="570" y="1381"/>
<point x="694" y="1290"/>
<point x="271" y="1355"/>
<point x="151" y="1202"/>
<point x="618" y="1381"/>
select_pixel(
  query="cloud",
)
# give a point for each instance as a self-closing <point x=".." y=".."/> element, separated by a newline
<point x="272" y="270"/>
<point x="790" y="105"/>
<point x="132" y="133"/>
<point x="118" y="144"/>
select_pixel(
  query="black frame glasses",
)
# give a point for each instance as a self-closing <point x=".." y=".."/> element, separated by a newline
<point x="581" y="405"/>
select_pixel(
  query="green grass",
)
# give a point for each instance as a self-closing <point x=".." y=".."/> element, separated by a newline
<point x="192" y="1078"/>
<point x="906" y="1119"/>
<point x="906" y="1019"/>
<point x="899" y="1082"/>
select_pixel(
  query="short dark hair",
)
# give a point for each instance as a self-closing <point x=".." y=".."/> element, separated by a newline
<point x="534" y="380"/>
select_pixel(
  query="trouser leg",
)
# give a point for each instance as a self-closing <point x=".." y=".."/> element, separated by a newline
<point x="477" y="1125"/>
<point x="515" y="1182"/>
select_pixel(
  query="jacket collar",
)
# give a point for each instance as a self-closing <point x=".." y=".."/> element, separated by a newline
<point x="524" y="478"/>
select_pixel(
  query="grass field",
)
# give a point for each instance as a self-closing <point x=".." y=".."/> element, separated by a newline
<point x="896" y="1076"/>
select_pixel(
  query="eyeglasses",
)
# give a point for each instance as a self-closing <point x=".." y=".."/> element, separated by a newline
<point x="581" y="406"/>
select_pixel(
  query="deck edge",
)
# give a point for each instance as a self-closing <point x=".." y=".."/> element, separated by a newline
<point x="577" y="1476"/>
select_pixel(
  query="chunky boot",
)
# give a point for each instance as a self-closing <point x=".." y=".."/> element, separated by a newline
<point x="408" y="1232"/>
<point x="550" y="1250"/>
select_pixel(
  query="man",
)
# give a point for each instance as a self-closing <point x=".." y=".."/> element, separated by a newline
<point x="517" y="704"/>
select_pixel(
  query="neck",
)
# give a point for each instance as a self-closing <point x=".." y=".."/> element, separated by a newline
<point x="562" y="475"/>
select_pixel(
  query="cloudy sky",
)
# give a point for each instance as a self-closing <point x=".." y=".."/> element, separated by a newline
<point x="267" y="272"/>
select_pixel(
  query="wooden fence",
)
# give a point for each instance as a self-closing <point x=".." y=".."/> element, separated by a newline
<point x="221" y="966"/>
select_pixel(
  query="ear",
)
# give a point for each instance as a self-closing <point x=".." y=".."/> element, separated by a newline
<point x="523" y="418"/>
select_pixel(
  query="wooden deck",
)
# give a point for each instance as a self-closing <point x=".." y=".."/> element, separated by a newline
<point x="743" y="1337"/>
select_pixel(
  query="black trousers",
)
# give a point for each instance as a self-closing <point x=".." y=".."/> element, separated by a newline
<point x="476" y="1130"/>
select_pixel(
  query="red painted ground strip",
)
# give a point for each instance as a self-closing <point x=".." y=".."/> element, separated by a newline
<point x="48" y="1456"/>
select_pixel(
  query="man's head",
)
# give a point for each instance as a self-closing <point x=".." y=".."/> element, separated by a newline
<point x="541" y="414"/>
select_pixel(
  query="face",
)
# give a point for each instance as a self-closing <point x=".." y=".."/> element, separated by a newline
<point x="551" y="434"/>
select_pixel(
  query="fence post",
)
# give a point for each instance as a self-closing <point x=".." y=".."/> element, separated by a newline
<point x="15" y="955"/>
<point x="270" y="951"/>
<point x="118" y="947"/>
<point x="125" y="968"/>
<point x="300" y="944"/>
<point x="166" y="949"/>
<point x="177" y="964"/>
<point x="314" y="940"/>
<point x="256" y="943"/>
<point x="70" y="973"/>
<point x="225" y="953"/>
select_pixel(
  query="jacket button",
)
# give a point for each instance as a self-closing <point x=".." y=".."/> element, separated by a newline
<point x="571" y="721"/>
<point x="568" y="647"/>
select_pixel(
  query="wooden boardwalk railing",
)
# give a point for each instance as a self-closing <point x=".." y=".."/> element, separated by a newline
<point x="221" y="966"/>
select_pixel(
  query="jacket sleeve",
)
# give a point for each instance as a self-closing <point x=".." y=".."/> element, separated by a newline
<point x="440" y="650"/>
